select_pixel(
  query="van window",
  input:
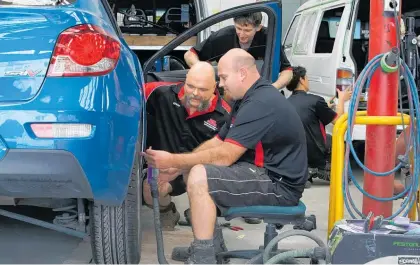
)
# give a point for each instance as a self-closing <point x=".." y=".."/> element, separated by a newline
<point x="305" y="32"/>
<point x="327" y="30"/>
<point x="292" y="32"/>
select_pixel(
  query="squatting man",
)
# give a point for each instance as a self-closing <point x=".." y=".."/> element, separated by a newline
<point x="180" y="117"/>
<point x="257" y="158"/>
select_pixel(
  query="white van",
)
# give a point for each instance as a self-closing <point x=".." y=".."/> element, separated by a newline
<point x="330" y="38"/>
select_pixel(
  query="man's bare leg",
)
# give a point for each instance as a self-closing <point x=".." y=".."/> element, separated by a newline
<point x="203" y="209"/>
<point x="168" y="213"/>
<point x="183" y="253"/>
<point x="398" y="187"/>
<point x="400" y="149"/>
<point x="203" y="217"/>
<point x="400" y="145"/>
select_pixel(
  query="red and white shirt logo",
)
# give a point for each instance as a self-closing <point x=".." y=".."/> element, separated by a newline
<point x="212" y="124"/>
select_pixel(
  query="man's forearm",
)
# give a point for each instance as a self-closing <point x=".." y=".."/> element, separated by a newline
<point x="213" y="142"/>
<point x="284" y="79"/>
<point x="215" y="156"/>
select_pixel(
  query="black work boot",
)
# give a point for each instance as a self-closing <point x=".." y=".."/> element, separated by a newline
<point x="187" y="215"/>
<point x="202" y="252"/>
<point x="310" y="181"/>
<point x="183" y="253"/>
<point x="169" y="217"/>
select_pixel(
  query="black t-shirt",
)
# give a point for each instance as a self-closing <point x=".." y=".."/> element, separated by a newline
<point x="171" y="128"/>
<point x="220" y="42"/>
<point x="315" y="115"/>
<point x="267" y="125"/>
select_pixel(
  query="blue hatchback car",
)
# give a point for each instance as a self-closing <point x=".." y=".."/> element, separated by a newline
<point x="72" y="114"/>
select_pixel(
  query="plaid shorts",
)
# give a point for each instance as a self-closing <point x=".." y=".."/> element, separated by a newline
<point x="244" y="184"/>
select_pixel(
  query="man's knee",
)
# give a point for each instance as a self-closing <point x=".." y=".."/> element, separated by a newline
<point x="197" y="178"/>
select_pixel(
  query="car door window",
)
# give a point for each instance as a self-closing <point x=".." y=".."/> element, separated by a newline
<point x="173" y="67"/>
<point x="34" y="3"/>
<point x="154" y="18"/>
<point x="265" y="61"/>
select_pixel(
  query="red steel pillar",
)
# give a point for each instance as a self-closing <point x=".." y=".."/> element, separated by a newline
<point x="382" y="101"/>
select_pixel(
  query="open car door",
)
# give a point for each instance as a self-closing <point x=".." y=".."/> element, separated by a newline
<point x="269" y="66"/>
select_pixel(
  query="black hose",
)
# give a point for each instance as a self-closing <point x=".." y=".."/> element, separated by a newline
<point x="152" y="178"/>
<point x="290" y="233"/>
<point x="255" y="260"/>
<point x="289" y="256"/>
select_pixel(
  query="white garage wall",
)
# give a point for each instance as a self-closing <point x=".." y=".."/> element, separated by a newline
<point x="289" y="9"/>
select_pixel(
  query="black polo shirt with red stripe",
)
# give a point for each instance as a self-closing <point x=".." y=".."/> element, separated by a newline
<point x="315" y="115"/>
<point x="221" y="41"/>
<point x="170" y="127"/>
<point x="269" y="127"/>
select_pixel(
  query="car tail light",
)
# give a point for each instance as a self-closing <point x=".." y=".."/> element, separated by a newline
<point x="84" y="50"/>
<point x="61" y="130"/>
<point x="344" y="78"/>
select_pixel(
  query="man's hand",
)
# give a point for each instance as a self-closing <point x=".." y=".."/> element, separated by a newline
<point x="345" y="95"/>
<point x="284" y="79"/>
<point x="191" y="58"/>
<point x="169" y="174"/>
<point x="331" y="103"/>
<point x="158" y="159"/>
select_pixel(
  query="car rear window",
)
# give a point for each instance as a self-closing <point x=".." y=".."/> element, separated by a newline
<point x="35" y="2"/>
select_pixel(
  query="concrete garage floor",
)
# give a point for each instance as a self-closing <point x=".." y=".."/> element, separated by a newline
<point x="315" y="198"/>
<point x="23" y="243"/>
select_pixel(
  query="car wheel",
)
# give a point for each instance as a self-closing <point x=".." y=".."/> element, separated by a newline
<point x="116" y="231"/>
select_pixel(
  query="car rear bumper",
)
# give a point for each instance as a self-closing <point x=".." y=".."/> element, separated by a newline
<point x="35" y="163"/>
<point x="42" y="174"/>
<point x="97" y="167"/>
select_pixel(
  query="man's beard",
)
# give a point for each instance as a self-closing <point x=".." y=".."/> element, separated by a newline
<point x="204" y="104"/>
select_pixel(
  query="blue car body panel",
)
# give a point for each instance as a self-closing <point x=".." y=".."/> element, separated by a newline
<point x="96" y="167"/>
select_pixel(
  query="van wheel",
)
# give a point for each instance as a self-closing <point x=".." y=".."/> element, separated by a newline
<point x="116" y="231"/>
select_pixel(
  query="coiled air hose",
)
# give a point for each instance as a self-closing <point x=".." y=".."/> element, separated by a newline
<point x="364" y="81"/>
<point x="384" y="61"/>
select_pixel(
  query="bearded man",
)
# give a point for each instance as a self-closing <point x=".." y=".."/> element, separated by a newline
<point x="181" y="116"/>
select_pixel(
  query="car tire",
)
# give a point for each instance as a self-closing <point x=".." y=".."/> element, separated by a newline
<point x="116" y="231"/>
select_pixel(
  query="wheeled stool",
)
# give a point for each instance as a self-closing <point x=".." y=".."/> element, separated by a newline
<point x="275" y="217"/>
